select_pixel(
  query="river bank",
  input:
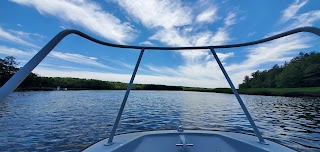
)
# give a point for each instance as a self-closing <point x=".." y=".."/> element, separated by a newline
<point x="287" y="92"/>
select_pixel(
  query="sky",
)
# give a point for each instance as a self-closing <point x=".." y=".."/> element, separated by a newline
<point x="27" y="25"/>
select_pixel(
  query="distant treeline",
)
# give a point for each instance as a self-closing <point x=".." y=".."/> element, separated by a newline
<point x="8" y="67"/>
<point x="302" y="71"/>
<point x="45" y="83"/>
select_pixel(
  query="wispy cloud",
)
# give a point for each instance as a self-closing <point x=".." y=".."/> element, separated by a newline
<point x="305" y="19"/>
<point x="207" y="70"/>
<point x="251" y="34"/>
<point x="276" y="51"/>
<point x="208" y="16"/>
<point x="183" y="37"/>
<point x="78" y="58"/>
<point x="87" y="14"/>
<point x="27" y="35"/>
<point x="230" y="19"/>
<point x="163" y="70"/>
<point x="14" y="38"/>
<point x="15" y="52"/>
<point x="25" y="56"/>
<point x="146" y="43"/>
<point x="118" y="62"/>
<point x="295" y="20"/>
<point x="154" y="13"/>
<point x="291" y="11"/>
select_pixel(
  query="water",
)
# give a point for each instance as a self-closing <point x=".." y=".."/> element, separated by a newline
<point x="72" y="120"/>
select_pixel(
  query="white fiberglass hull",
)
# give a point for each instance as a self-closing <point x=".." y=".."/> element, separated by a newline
<point x="186" y="141"/>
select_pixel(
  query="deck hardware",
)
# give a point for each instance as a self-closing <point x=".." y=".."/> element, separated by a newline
<point x="182" y="144"/>
<point x="180" y="129"/>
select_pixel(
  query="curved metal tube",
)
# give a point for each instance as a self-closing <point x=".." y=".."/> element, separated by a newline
<point x="313" y="30"/>
<point x="17" y="79"/>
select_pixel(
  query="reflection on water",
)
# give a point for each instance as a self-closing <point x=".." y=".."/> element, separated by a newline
<point x="72" y="120"/>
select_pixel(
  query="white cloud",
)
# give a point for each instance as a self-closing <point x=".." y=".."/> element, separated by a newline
<point x="158" y="70"/>
<point x="276" y="51"/>
<point x="78" y="58"/>
<point x="170" y="37"/>
<point x="21" y="56"/>
<point x="251" y="34"/>
<point x="63" y="27"/>
<point x="306" y="19"/>
<point x="146" y="43"/>
<point x="224" y="56"/>
<point x="154" y="13"/>
<point x="15" y="52"/>
<point x="27" y="35"/>
<point x="25" y="56"/>
<point x="291" y="11"/>
<point x="208" y="16"/>
<point x="173" y="37"/>
<point x="6" y="35"/>
<point x="299" y="20"/>
<point x="220" y="37"/>
<point x="207" y="70"/>
<point x="86" y="14"/>
<point x="118" y="62"/>
<point x="230" y="19"/>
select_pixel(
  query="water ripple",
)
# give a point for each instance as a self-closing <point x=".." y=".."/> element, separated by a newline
<point x="72" y="120"/>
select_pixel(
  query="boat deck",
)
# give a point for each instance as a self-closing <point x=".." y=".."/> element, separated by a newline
<point x="186" y="141"/>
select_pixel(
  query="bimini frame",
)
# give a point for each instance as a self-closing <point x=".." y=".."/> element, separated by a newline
<point x="17" y="79"/>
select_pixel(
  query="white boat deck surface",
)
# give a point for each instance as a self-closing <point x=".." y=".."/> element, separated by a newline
<point x="186" y="141"/>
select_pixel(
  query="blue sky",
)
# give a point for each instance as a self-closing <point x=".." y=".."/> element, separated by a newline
<point x="27" y="25"/>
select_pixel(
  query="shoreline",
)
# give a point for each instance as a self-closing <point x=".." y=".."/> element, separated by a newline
<point x="286" y="92"/>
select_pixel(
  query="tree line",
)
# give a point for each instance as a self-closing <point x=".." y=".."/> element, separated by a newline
<point x="301" y="71"/>
<point x="9" y="66"/>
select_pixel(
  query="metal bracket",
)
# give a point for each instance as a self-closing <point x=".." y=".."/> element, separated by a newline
<point x="184" y="146"/>
<point x="109" y="143"/>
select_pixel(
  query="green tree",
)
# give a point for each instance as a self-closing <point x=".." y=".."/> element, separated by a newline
<point x="301" y="71"/>
<point x="8" y="67"/>
<point x="290" y="77"/>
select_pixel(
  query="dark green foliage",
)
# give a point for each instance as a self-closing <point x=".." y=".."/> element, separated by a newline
<point x="8" y="67"/>
<point x="289" y="92"/>
<point x="301" y="71"/>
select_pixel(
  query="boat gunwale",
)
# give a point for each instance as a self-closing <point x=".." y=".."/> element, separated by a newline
<point x="206" y="132"/>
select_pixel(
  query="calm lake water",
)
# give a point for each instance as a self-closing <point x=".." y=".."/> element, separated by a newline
<point x="72" y="120"/>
